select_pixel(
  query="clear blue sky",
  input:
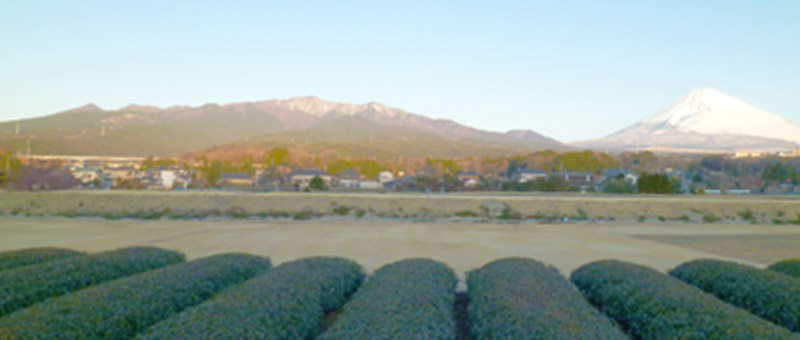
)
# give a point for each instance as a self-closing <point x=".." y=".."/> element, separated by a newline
<point x="568" y="69"/>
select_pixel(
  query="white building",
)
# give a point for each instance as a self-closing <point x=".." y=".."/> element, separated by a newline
<point x="525" y="175"/>
<point x="167" y="178"/>
<point x="87" y="175"/>
<point x="369" y="185"/>
<point x="385" y="177"/>
<point x="348" y="179"/>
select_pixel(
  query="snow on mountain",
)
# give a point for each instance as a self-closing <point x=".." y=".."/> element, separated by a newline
<point x="705" y="119"/>
<point x="709" y="111"/>
<point x="148" y="130"/>
<point x="319" y="107"/>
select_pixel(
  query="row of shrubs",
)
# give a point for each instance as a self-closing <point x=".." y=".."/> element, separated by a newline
<point x="122" y="308"/>
<point x="525" y="299"/>
<point x="788" y="267"/>
<point x="653" y="305"/>
<point x="766" y="293"/>
<point x="512" y="298"/>
<point x="24" y="286"/>
<point x="410" y="299"/>
<point x="24" y="257"/>
<point x="286" y="303"/>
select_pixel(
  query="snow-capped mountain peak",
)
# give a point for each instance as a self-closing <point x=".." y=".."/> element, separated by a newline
<point x="705" y="119"/>
<point x="319" y="107"/>
<point x="709" y="111"/>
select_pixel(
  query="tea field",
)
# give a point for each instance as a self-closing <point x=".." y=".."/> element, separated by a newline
<point x="146" y="292"/>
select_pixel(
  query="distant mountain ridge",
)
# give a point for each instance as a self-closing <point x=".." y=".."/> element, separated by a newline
<point x="705" y="120"/>
<point x="148" y="130"/>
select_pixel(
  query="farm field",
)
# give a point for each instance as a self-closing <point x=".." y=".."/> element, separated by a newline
<point x="243" y="296"/>
<point x="342" y="277"/>
<point x="757" y="248"/>
<point x="463" y="246"/>
<point x="543" y="208"/>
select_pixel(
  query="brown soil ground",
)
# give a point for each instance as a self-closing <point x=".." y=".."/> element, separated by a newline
<point x="464" y="246"/>
<point x="764" y="249"/>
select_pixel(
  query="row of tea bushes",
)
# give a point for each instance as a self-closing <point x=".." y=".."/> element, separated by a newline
<point x="24" y="286"/>
<point x="768" y="294"/>
<point x="653" y="305"/>
<point x="52" y="293"/>
<point x="286" y="303"/>
<point x="24" y="257"/>
<point x="122" y="308"/>
<point x="524" y="299"/>
<point x="787" y="267"/>
<point x="410" y="299"/>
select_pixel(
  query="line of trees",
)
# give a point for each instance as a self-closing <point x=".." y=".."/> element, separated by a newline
<point x="657" y="184"/>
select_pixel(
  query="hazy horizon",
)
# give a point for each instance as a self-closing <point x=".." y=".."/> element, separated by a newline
<point x="513" y="65"/>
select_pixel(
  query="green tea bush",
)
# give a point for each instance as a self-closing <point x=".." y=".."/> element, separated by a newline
<point x="122" y="308"/>
<point x="524" y="299"/>
<point x="789" y="267"/>
<point x="410" y="299"/>
<point x="653" y="305"/>
<point x="24" y="286"/>
<point x="286" y="303"/>
<point x="768" y="294"/>
<point x="25" y="257"/>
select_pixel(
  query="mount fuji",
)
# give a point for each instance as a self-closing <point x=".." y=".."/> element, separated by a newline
<point x="705" y="120"/>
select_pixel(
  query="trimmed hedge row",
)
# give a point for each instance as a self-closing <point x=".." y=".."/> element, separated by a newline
<point x="286" y="303"/>
<point x="24" y="286"/>
<point x="410" y="299"/>
<point x="652" y="305"/>
<point x="25" y="257"/>
<point x="122" y="308"/>
<point x="519" y="298"/>
<point x="770" y="295"/>
<point x="789" y="267"/>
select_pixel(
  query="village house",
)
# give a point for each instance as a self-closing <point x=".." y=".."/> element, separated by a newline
<point x="525" y="175"/>
<point x="302" y="179"/>
<point x="791" y="154"/>
<point x="87" y="175"/>
<point x="348" y="179"/>
<point x="787" y="186"/>
<point x="385" y="177"/>
<point x="164" y="179"/>
<point x="469" y="179"/>
<point x="401" y="183"/>
<point x="370" y="184"/>
<point x="575" y="177"/>
<point x="168" y="178"/>
<point x="119" y="175"/>
<point x="625" y="174"/>
<point x="92" y="164"/>
<point x="236" y="179"/>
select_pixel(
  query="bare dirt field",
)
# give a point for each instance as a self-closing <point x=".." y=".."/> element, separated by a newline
<point x="760" y="248"/>
<point x="464" y="246"/>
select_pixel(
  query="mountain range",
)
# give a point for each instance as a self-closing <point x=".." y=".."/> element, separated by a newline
<point x="703" y="120"/>
<point x="310" y="123"/>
